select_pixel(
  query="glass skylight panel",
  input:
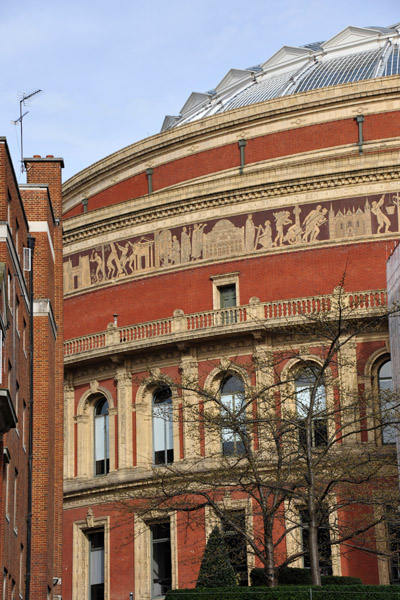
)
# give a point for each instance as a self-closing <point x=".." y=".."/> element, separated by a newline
<point x="392" y="66"/>
<point x="258" y="92"/>
<point x="341" y="70"/>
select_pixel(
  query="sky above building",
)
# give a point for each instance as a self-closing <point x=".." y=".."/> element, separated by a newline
<point x="111" y="71"/>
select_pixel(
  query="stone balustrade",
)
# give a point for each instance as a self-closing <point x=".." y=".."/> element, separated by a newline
<point x="255" y="314"/>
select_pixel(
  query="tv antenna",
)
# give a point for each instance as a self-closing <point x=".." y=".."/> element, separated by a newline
<point x="24" y="102"/>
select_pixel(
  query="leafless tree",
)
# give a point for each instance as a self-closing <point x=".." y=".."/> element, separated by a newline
<point x="291" y="433"/>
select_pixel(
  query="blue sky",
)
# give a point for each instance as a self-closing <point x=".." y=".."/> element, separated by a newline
<point x="111" y="71"/>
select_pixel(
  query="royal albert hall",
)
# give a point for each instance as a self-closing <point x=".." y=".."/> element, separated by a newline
<point x="187" y="257"/>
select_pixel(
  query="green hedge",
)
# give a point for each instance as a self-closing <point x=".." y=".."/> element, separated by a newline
<point x="295" y="576"/>
<point x="340" y="580"/>
<point x="331" y="592"/>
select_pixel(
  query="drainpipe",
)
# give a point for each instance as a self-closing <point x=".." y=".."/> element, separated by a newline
<point x="360" y="120"/>
<point x="31" y="246"/>
<point x="150" y="180"/>
<point x="85" y="204"/>
<point x="242" y="144"/>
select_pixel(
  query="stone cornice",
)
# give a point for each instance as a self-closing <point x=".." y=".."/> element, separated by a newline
<point x="76" y="230"/>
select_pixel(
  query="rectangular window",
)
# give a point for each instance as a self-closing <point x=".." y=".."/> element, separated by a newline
<point x="6" y="478"/>
<point x="15" y="506"/>
<point x="227" y="302"/>
<point x="163" y="427"/>
<point x="323" y="540"/>
<point x="9" y="292"/>
<point x="17" y="314"/>
<point x="17" y="400"/>
<point x="102" y="451"/>
<point x="24" y="336"/>
<point x="233" y="416"/>
<point x="161" y="569"/>
<point x="23" y="424"/>
<point x="21" y="569"/>
<point x="96" y="565"/>
<point x="235" y="541"/>
<point x="17" y="238"/>
<point x="310" y="398"/>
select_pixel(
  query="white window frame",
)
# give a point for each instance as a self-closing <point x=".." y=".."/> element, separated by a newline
<point x="219" y="281"/>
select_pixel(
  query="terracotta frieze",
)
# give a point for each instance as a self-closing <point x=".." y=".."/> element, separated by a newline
<point x="220" y="239"/>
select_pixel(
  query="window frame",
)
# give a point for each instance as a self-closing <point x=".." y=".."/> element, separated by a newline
<point x="304" y="373"/>
<point x="90" y="534"/>
<point x="391" y="430"/>
<point x="154" y="542"/>
<point x="237" y="439"/>
<point x="224" y="280"/>
<point x="168" y="426"/>
<point x="105" y="417"/>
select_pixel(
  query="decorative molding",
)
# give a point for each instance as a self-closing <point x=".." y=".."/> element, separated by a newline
<point x="264" y="230"/>
<point x="271" y="190"/>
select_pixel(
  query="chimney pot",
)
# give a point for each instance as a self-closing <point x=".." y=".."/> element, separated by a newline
<point x="37" y="156"/>
<point x="49" y="155"/>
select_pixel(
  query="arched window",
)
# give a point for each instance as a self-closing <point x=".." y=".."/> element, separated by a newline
<point x="233" y="416"/>
<point x="385" y="384"/>
<point x="163" y="435"/>
<point x="311" y="402"/>
<point x="101" y="438"/>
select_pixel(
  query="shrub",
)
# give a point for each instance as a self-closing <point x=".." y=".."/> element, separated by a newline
<point x="353" y="592"/>
<point x="216" y="569"/>
<point x="340" y="580"/>
<point x="294" y="576"/>
<point x="257" y="577"/>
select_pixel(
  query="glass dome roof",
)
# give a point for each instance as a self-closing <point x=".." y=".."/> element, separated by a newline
<point x="354" y="54"/>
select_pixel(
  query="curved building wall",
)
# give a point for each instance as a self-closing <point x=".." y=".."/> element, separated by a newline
<point x="307" y="206"/>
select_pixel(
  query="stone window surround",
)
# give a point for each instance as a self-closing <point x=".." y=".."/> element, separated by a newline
<point x="294" y="539"/>
<point x="212" y="383"/>
<point x="143" y="408"/>
<point x="143" y="552"/>
<point x="80" y="553"/>
<point x="85" y="431"/>
<point x="229" y="505"/>
<point x="219" y="281"/>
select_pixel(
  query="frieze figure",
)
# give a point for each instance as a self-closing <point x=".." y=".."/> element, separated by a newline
<point x="99" y="274"/>
<point x="175" y="256"/>
<point x="113" y="264"/>
<point x="197" y="240"/>
<point x="383" y="220"/>
<point x="264" y="235"/>
<point x="295" y="231"/>
<point x="313" y="222"/>
<point x="250" y="232"/>
<point x="186" y="246"/>
<point x="163" y="246"/>
<point x="123" y="259"/>
<point x="281" y="219"/>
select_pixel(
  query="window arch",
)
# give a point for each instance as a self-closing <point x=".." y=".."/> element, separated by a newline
<point x="101" y="437"/>
<point x="233" y="415"/>
<point x="163" y="434"/>
<point x="311" y="402"/>
<point x="385" y="385"/>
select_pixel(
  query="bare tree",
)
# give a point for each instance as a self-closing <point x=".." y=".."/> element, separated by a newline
<point x="290" y="433"/>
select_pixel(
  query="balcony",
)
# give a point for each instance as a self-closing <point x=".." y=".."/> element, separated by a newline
<point x="255" y="316"/>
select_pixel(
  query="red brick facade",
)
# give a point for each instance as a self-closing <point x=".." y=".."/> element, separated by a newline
<point x="143" y="305"/>
<point x="29" y="209"/>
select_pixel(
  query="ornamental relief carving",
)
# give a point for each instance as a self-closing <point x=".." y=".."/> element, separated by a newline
<point x="224" y="238"/>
